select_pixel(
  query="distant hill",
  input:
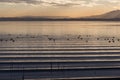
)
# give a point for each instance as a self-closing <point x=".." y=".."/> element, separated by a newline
<point x="109" y="16"/>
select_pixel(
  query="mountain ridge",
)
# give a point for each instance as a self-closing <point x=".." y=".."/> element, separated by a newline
<point x="109" y="16"/>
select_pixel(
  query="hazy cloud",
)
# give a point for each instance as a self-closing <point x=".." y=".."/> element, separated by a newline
<point x="22" y="1"/>
<point x="88" y="3"/>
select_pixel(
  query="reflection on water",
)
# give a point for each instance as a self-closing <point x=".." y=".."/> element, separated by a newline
<point x="61" y="27"/>
<point x="60" y="35"/>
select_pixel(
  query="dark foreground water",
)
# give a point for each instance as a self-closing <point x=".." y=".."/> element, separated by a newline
<point x="59" y="50"/>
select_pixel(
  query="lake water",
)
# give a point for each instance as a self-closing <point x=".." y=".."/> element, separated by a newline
<point x="61" y="27"/>
<point x="60" y="34"/>
<point x="42" y="50"/>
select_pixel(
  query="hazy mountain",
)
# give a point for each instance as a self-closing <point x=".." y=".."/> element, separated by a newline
<point x="109" y="15"/>
<point x="48" y="17"/>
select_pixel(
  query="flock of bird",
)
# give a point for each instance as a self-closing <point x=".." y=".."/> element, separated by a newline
<point x="85" y="38"/>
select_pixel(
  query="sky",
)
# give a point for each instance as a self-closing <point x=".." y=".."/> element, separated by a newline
<point x="61" y="8"/>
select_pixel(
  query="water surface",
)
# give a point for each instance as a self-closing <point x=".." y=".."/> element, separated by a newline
<point x="61" y="27"/>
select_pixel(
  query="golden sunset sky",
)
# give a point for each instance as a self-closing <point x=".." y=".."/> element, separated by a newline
<point x="64" y="8"/>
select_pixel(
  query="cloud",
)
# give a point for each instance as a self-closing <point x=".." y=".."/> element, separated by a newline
<point x="87" y="3"/>
<point x="21" y="1"/>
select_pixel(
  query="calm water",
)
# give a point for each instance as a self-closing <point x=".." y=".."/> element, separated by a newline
<point x="61" y="27"/>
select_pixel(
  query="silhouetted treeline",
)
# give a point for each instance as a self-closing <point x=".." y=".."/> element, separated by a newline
<point x="55" y="19"/>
